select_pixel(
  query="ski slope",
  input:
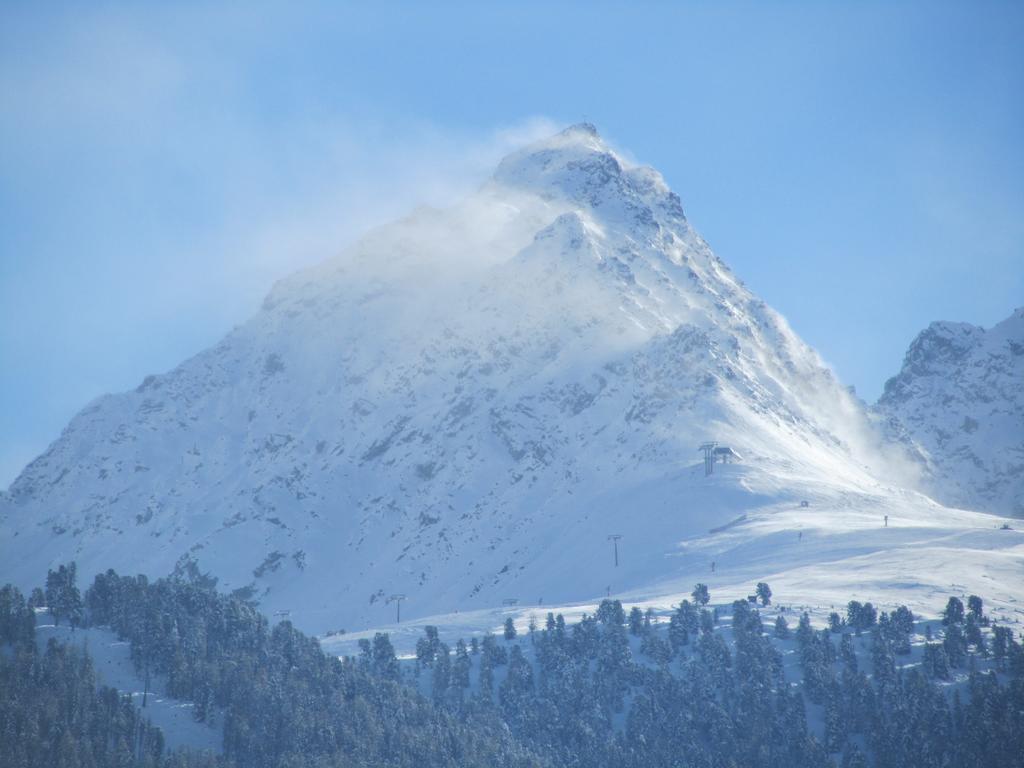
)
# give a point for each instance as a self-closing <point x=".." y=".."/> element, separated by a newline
<point x="112" y="662"/>
<point x="815" y="558"/>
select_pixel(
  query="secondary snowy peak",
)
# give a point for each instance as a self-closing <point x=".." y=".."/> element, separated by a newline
<point x="453" y="409"/>
<point x="957" y="405"/>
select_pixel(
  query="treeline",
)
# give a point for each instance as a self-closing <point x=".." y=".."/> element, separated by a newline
<point x="683" y="695"/>
<point x="614" y="690"/>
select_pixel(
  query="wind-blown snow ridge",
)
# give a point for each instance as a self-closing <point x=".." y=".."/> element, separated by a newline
<point x="463" y="406"/>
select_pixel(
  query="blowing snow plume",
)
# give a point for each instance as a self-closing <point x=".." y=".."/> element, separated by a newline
<point x="461" y="408"/>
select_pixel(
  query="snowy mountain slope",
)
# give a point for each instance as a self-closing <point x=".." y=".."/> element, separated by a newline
<point x="957" y="406"/>
<point x="460" y="409"/>
<point x="818" y="558"/>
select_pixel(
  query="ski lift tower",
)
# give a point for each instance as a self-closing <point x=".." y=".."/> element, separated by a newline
<point x="709" y="457"/>
<point x="397" y="600"/>
<point x="614" y="539"/>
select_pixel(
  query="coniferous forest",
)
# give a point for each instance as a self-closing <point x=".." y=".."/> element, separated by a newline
<point x="707" y="687"/>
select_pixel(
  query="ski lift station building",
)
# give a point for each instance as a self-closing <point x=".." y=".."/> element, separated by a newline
<point x="725" y="454"/>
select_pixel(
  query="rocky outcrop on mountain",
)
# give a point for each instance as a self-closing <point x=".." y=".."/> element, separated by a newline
<point x="957" y="407"/>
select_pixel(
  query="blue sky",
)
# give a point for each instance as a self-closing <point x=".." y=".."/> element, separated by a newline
<point x="860" y="165"/>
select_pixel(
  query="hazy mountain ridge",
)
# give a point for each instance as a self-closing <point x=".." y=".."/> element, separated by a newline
<point x="957" y="405"/>
<point x="459" y="409"/>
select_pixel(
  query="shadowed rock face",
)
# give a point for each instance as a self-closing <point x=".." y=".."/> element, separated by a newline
<point x="958" y="407"/>
<point x="449" y="408"/>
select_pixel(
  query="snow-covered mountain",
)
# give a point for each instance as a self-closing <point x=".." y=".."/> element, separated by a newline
<point x="957" y="405"/>
<point x="463" y="407"/>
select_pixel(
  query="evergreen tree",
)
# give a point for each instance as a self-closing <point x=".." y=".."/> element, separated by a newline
<point x="975" y="608"/>
<point x="517" y="688"/>
<point x="1002" y="638"/>
<point x="489" y="647"/>
<point x="460" y="670"/>
<point x="853" y="615"/>
<point x="883" y="662"/>
<point x="614" y="668"/>
<point x="700" y="595"/>
<point x="385" y="664"/>
<point x="868" y="616"/>
<point x="861" y="617"/>
<point x="655" y="648"/>
<point x="847" y="653"/>
<point x="973" y="635"/>
<point x="636" y="621"/>
<point x="427" y="647"/>
<point x="804" y="632"/>
<point x="441" y="679"/>
<point x="835" y="725"/>
<point x="610" y="613"/>
<point x="486" y="678"/>
<point x="62" y="595"/>
<point x="37" y="599"/>
<point x="684" y="622"/>
<point x="955" y="645"/>
<point x="764" y="593"/>
<point x="715" y="656"/>
<point x="935" y="662"/>
<point x="902" y="624"/>
<point x="707" y="621"/>
<point x="954" y="612"/>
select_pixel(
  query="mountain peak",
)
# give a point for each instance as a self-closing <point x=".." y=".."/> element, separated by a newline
<point x="570" y="157"/>
<point x="586" y="128"/>
<point x="576" y="166"/>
